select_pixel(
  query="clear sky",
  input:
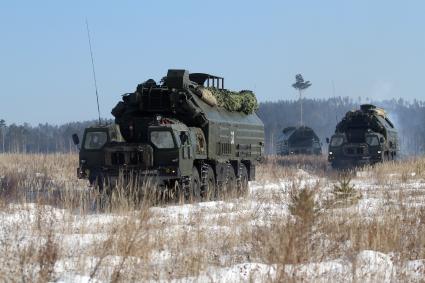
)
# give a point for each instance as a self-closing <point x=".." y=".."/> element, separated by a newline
<point x="366" y="48"/>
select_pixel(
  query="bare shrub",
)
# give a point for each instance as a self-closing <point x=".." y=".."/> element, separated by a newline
<point x="302" y="204"/>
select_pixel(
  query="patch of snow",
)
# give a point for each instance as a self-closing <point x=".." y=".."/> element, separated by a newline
<point x="244" y="272"/>
<point x="75" y="278"/>
<point x="372" y="266"/>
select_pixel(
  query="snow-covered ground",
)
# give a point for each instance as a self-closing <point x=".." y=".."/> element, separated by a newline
<point x="205" y="242"/>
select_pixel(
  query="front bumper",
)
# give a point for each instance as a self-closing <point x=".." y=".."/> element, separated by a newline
<point x="350" y="163"/>
<point x="304" y="151"/>
<point x="144" y="176"/>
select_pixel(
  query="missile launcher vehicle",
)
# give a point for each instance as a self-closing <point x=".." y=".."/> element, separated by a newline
<point x="298" y="140"/>
<point x="186" y="132"/>
<point x="362" y="137"/>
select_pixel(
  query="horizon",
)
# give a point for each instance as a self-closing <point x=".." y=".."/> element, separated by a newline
<point x="378" y="103"/>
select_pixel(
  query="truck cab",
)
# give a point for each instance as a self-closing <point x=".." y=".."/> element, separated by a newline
<point x="167" y="153"/>
<point x="345" y="154"/>
<point x="95" y="140"/>
<point x="362" y="137"/>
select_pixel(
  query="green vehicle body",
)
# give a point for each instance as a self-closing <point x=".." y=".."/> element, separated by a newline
<point x="298" y="140"/>
<point x="170" y="133"/>
<point x="363" y="137"/>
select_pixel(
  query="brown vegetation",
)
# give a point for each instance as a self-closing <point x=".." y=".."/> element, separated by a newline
<point x="53" y="225"/>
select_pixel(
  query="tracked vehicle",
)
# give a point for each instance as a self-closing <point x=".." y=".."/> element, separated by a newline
<point x="298" y="140"/>
<point x="178" y="133"/>
<point x="364" y="136"/>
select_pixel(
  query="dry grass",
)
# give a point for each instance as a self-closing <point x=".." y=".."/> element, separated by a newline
<point x="53" y="226"/>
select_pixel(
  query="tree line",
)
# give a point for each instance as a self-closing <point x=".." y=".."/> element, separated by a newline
<point x="320" y="114"/>
<point x="43" y="138"/>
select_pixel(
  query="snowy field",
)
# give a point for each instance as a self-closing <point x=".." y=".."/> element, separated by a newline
<point x="296" y="224"/>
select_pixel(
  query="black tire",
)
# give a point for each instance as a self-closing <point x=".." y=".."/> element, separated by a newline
<point x="96" y="179"/>
<point x="195" y="185"/>
<point x="231" y="185"/>
<point x="209" y="190"/>
<point x="386" y="156"/>
<point x="243" y="181"/>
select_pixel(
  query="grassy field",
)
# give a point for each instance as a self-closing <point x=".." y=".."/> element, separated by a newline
<point x="300" y="221"/>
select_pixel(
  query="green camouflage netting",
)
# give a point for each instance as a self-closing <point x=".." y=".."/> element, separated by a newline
<point x="243" y="101"/>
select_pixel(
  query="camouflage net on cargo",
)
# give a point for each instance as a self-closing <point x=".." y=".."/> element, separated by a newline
<point x="243" y="101"/>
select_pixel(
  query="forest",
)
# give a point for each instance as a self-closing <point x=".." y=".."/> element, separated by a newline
<point x="320" y="114"/>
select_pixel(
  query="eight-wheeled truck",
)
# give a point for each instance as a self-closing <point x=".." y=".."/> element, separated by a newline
<point x="363" y="137"/>
<point x="298" y="140"/>
<point x="187" y="131"/>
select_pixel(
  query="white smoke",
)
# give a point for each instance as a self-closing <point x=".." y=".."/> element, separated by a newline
<point x="381" y="90"/>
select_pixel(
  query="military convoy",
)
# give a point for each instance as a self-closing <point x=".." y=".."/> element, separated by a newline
<point x="364" y="136"/>
<point x="298" y="140"/>
<point x="190" y="133"/>
<point x="186" y="132"/>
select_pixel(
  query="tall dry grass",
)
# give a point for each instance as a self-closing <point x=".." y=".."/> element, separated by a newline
<point x="52" y="224"/>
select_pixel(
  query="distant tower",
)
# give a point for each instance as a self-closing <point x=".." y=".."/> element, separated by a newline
<point x="301" y="85"/>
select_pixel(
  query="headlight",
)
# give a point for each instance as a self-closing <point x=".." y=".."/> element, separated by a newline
<point x="169" y="171"/>
<point x="379" y="151"/>
<point x="330" y="152"/>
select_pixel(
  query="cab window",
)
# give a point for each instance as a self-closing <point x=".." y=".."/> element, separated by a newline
<point x="372" y="140"/>
<point x="337" y="141"/>
<point x="95" y="140"/>
<point x="162" y="139"/>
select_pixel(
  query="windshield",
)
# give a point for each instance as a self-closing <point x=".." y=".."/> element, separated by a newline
<point x="372" y="140"/>
<point x="162" y="139"/>
<point x="337" y="141"/>
<point x="95" y="140"/>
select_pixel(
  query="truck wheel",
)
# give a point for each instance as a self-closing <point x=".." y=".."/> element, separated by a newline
<point x="231" y="181"/>
<point x="195" y="185"/>
<point x="386" y="156"/>
<point x="209" y="189"/>
<point x="243" y="181"/>
<point x="96" y="180"/>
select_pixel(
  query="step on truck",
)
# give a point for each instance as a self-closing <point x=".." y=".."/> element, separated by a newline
<point x="188" y="132"/>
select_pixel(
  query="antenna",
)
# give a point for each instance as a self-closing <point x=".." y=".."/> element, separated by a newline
<point x="94" y="73"/>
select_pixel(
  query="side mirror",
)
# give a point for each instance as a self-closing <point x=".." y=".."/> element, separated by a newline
<point x="327" y="140"/>
<point x="381" y="140"/>
<point x="75" y="139"/>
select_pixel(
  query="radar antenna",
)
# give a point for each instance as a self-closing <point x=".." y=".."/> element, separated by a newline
<point x="94" y="72"/>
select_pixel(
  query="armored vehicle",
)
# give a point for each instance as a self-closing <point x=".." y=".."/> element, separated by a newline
<point x="187" y="131"/>
<point x="298" y="140"/>
<point x="364" y="136"/>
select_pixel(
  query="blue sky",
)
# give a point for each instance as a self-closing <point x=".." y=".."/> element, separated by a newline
<point x="370" y="49"/>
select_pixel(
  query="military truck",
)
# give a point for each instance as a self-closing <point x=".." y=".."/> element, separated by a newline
<point x="298" y="140"/>
<point x="364" y="136"/>
<point x="186" y="132"/>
